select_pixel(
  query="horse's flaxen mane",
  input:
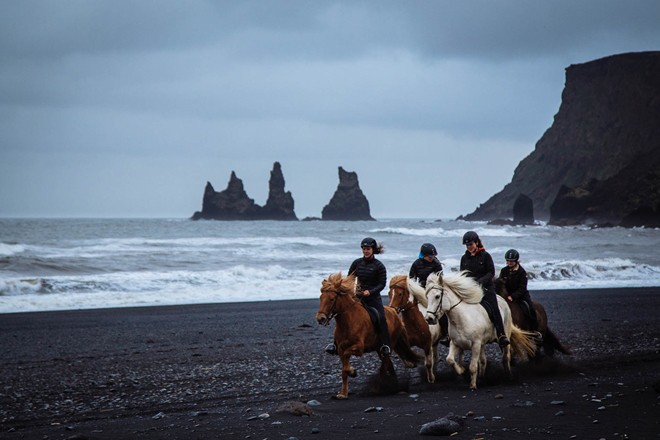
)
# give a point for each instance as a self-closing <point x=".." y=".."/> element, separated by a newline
<point x="337" y="283"/>
<point x="418" y="292"/>
<point x="399" y="281"/>
<point x="463" y="286"/>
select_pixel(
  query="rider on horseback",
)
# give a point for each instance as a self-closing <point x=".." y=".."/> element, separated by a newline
<point x="515" y="281"/>
<point x="481" y="268"/>
<point x="372" y="279"/>
<point x="421" y="268"/>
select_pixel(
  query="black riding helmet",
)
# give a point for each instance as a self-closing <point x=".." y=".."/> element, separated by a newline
<point x="369" y="242"/>
<point x="511" y="255"/>
<point x="469" y="237"/>
<point x="428" y="249"/>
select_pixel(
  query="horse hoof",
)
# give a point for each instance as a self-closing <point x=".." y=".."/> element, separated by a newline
<point x="340" y="396"/>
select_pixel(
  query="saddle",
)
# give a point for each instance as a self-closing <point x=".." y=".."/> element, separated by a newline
<point x="373" y="314"/>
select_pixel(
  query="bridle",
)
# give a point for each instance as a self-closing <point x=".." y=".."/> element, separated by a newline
<point x="332" y="314"/>
<point x="409" y="305"/>
<point x="442" y="294"/>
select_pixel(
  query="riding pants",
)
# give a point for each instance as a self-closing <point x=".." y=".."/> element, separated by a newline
<point x="490" y="298"/>
<point x="377" y="303"/>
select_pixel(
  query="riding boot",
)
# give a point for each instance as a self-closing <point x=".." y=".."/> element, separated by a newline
<point x="331" y="348"/>
<point x="384" y="331"/>
<point x="444" y="330"/>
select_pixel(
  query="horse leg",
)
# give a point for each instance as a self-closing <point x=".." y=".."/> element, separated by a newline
<point x="346" y="371"/>
<point x="474" y="364"/>
<point x="482" y="361"/>
<point x="506" y="361"/>
<point x="454" y="352"/>
<point x="430" y="363"/>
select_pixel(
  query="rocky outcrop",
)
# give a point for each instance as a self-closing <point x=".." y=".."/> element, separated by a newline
<point x="523" y="213"/>
<point x="348" y="202"/>
<point x="234" y="204"/>
<point x="279" y="205"/>
<point x="601" y="150"/>
<point x="523" y="210"/>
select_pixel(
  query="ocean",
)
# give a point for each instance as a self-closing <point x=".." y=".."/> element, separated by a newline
<point x="62" y="264"/>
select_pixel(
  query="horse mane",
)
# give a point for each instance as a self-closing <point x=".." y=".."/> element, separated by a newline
<point x="418" y="292"/>
<point x="339" y="284"/>
<point x="465" y="287"/>
<point x="399" y="281"/>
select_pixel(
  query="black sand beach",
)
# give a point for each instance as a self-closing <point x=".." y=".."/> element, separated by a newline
<point x="232" y="371"/>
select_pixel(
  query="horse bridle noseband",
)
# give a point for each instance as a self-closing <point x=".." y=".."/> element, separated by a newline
<point x="409" y="305"/>
<point x="333" y="314"/>
<point x="442" y="294"/>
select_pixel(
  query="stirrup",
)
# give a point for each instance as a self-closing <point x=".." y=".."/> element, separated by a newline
<point x="331" y="349"/>
<point x="385" y="350"/>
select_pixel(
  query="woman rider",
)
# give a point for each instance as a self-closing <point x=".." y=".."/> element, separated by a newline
<point x="426" y="264"/>
<point x="515" y="281"/>
<point x="372" y="279"/>
<point x="480" y="267"/>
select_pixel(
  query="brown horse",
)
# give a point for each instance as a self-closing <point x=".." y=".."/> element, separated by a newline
<point x="521" y="318"/>
<point x="354" y="331"/>
<point x="420" y="333"/>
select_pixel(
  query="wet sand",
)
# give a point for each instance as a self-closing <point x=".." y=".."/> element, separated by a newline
<point x="240" y="370"/>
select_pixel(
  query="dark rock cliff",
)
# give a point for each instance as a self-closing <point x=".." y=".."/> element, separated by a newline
<point x="234" y="204"/>
<point x="601" y="150"/>
<point x="279" y="205"/>
<point x="348" y="202"/>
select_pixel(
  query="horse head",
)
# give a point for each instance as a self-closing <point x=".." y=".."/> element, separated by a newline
<point x="400" y="298"/>
<point x="333" y="290"/>
<point x="435" y="296"/>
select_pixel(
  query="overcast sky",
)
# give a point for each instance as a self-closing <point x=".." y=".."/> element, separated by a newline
<point x="127" y="108"/>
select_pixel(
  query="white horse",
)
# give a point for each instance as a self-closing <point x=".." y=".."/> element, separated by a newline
<point x="470" y="328"/>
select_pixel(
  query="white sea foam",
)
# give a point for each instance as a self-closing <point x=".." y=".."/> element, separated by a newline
<point x="10" y="249"/>
<point x="61" y="264"/>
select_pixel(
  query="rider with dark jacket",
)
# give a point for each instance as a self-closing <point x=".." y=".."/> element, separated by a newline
<point x="481" y="268"/>
<point x="515" y="281"/>
<point x="372" y="279"/>
<point x="421" y="268"/>
<point x="425" y="265"/>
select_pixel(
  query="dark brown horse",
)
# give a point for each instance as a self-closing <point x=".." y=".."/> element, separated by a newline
<point x="354" y="330"/>
<point x="521" y="318"/>
<point x="420" y="333"/>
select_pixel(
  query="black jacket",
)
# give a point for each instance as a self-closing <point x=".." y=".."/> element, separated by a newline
<point x="515" y="282"/>
<point x="480" y="267"/>
<point x="421" y="269"/>
<point x="371" y="275"/>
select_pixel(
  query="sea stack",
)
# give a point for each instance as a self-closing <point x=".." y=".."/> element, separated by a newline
<point x="234" y="204"/>
<point x="348" y="202"/>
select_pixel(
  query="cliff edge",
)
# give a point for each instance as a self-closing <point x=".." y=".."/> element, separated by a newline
<point x="602" y="150"/>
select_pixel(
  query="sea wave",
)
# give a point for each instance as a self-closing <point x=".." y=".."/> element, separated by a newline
<point x="7" y="249"/>
<point x="450" y="233"/>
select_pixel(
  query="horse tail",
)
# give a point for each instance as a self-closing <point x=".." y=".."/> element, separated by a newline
<point x="523" y="343"/>
<point x="551" y="342"/>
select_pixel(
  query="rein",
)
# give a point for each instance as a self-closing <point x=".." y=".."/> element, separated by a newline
<point x="409" y="305"/>
<point x="442" y="294"/>
<point x="333" y="313"/>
